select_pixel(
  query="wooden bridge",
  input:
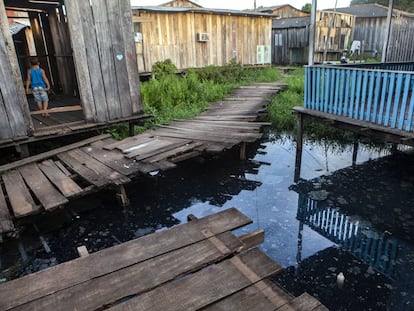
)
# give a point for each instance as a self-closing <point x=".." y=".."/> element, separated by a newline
<point x="373" y="100"/>
<point x="193" y="266"/>
<point x="47" y="181"/>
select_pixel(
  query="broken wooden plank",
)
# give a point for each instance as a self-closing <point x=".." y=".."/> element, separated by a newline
<point x="173" y="152"/>
<point x="136" y="279"/>
<point x="19" y="196"/>
<point x="49" y="281"/>
<point x="60" y="179"/>
<point x="263" y="295"/>
<point x="116" y="160"/>
<point x="45" y="192"/>
<point x="91" y="169"/>
<point x="304" y="302"/>
<point x="206" y="286"/>
<point x="49" y="154"/>
<point x="172" y="146"/>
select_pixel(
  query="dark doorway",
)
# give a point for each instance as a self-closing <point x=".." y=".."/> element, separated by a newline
<point x="41" y="30"/>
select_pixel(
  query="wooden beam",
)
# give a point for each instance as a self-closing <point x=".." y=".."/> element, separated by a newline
<point x="252" y="239"/>
<point x="58" y="109"/>
<point x="48" y="154"/>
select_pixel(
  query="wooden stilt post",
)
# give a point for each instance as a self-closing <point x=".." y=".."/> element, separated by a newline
<point x="355" y="151"/>
<point x="243" y="151"/>
<point x="122" y="195"/>
<point x="23" y="150"/>
<point x="131" y="129"/>
<point x="299" y="146"/>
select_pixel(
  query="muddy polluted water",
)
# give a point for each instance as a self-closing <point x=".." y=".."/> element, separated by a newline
<point x="343" y="233"/>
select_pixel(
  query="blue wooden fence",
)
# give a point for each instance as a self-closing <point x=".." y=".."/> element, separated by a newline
<point x="371" y="94"/>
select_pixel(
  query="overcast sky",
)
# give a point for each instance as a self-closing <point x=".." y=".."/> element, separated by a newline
<point x="249" y="4"/>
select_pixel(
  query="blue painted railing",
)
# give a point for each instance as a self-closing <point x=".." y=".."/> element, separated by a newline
<point x="375" y="95"/>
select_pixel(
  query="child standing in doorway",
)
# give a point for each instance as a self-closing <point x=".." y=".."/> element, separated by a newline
<point x="37" y="80"/>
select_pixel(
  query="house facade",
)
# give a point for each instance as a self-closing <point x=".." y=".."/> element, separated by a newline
<point x="371" y="26"/>
<point x="198" y="37"/>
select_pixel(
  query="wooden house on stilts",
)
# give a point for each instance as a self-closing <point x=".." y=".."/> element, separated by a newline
<point x="87" y="50"/>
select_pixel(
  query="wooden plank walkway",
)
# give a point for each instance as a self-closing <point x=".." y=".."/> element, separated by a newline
<point x="47" y="181"/>
<point x="193" y="266"/>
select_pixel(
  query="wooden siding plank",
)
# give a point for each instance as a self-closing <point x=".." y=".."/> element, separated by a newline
<point x="106" y="58"/>
<point x="337" y="91"/>
<point x="6" y="223"/>
<point x="206" y="286"/>
<point x="135" y="279"/>
<point x="378" y="83"/>
<point x="60" y="179"/>
<point x="11" y="119"/>
<point x="20" y="291"/>
<point x="368" y="111"/>
<point x="353" y="91"/>
<point x="115" y="20"/>
<point x="21" y="99"/>
<point x="407" y="85"/>
<point x="347" y="92"/>
<point x="361" y="112"/>
<point x="409" y="121"/>
<point x="45" y="192"/>
<point x="390" y="98"/>
<point x="383" y="98"/>
<point x="341" y="90"/>
<point x="19" y="196"/>
<point x="130" y="54"/>
<point x="397" y="97"/>
<point x="82" y="44"/>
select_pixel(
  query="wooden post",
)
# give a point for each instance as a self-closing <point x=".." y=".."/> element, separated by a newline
<point x="243" y="151"/>
<point x="23" y="150"/>
<point x="299" y="146"/>
<point x="355" y="151"/>
<point x="131" y="129"/>
<point x="312" y="34"/>
<point x="122" y="195"/>
<point x="387" y="31"/>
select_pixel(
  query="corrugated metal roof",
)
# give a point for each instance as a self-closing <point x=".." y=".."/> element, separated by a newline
<point x="372" y="10"/>
<point x="199" y="10"/>
<point x="16" y="27"/>
<point x="294" y="22"/>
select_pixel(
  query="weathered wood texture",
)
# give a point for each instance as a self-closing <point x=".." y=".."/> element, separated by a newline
<point x="172" y="34"/>
<point x="107" y="72"/>
<point x="12" y="99"/>
<point x="40" y="183"/>
<point x="192" y="266"/>
<point x="290" y="40"/>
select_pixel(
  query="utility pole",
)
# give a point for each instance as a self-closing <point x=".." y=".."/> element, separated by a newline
<point x="255" y="5"/>
<point x="312" y="33"/>
<point x="387" y="31"/>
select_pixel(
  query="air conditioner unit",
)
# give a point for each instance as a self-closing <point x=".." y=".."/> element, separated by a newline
<point x="202" y="37"/>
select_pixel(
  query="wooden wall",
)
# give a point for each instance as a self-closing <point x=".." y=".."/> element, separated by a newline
<point x="401" y="43"/>
<point x="105" y="58"/>
<point x="14" y="116"/>
<point x="372" y="32"/>
<point x="290" y="45"/>
<point x="181" y="3"/>
<point x="173" y="35"/>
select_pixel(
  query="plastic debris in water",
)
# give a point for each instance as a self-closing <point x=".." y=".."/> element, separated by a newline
<point x="340" y="280"/>
<point x="153" y="173"/>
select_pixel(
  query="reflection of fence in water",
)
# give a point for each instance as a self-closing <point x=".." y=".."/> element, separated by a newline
<point x="374" y="248"/>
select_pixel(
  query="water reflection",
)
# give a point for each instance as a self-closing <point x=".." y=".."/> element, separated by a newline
<point x="366" y="211"/>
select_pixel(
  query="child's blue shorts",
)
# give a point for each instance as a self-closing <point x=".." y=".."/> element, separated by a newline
<point x="40" y="94"/>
